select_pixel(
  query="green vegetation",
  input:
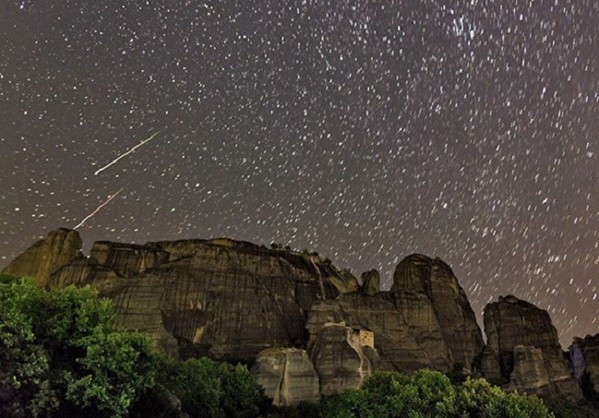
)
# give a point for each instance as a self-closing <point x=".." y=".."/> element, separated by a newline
<point x="211" y="389"/>
<point x="430" y="394"/>
<point x="60" y="355"/>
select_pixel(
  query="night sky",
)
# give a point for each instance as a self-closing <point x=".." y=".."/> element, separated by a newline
<point x="367" y="131"/>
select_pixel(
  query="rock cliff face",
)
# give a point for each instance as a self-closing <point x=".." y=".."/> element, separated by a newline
<point x="46" y="256"/>
<point x="423" y="277"/>
<point x="590" y="348"/>
<point x="221" y="297"/>
<point x="340" y="359"/>
<point x="407" y="335"/>
<point x="287" y="376"/>
<point x="529" y="372"/>
<point x="525" y="344"/>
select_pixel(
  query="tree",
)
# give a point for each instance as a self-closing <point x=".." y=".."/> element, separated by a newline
<point x="241" y="396"/>
<point x="430" y="394"/>
<point x="195" y="382"/>
<point x="61" y="355"/>
<point x="478" y="398"/>
<point x="210" y="389"/>
<point x="24" y="363"/>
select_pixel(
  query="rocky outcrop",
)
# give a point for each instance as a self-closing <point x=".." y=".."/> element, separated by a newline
<point x="406" y="333"/>
<point x="127" y="259"/>
<point x="371" y="282"/>
<point x="525" y="343"/>
<point x="424" y="321"/>
<point x="46" y="256"/>
<point x="590" y="348"/>
<point x="233" y="300"/>
<point x="340" y="359"/>
<point x="221" y="298"/>
<point x="81" y="271"/>
<point x="287" y="376"/>
<point x="529" y="374"/>
<point x="420" y="275"/>
<point x="489" y="364"/>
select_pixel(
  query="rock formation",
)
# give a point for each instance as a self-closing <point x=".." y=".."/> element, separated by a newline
<point x="434" y="279"/>
<point x="287" y="376"/>
<point x="314" y="329"/>
<point x="525" y="343"/>
<point x="46" y="256"/>
<point x="590" y="348"/>
<point x="339" y="359"/>
<point x="127" y="259"/>
<point x="371" y="282"/>
<point x="406" y="333"/>
<point x="222" y="298"/>
<point x="529" y="374"/>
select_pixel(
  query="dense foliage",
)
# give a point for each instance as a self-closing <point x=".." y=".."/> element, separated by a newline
<point x="430" y="394"/>
<point x="61" y="356"/>
<point x="211" y="389"/>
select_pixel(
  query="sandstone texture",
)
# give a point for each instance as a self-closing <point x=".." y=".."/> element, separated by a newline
<point x="46" y="256"/>
<point x="221" y="298"/>
<point x="407" y="335"/>
<point x="287" y="376"/>
<point x="434" y="279"/>
<point x="529" y="374"/>
<point x="489" y="364"/>
<point x="526" y="346"/>
<point x="340" y="359"/>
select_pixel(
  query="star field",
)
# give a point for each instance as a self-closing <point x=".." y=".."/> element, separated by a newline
<point x="366" y="131"/>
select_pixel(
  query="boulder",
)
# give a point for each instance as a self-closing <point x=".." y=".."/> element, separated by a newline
<point x="46" y="256"/>
<point x="339" y="359"/>
<point x="526" y="346"/>
<point x="322" y="312"/>
<point x="287" y="376"/>
<point x="422" y="275"/>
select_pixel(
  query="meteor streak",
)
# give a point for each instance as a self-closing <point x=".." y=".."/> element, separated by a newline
<point x="145" y="141"/>
<point x="99" y="207"/>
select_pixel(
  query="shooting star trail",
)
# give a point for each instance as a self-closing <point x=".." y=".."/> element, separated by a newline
<point x="99" y="207"/>
<point x="145" y="141"/>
